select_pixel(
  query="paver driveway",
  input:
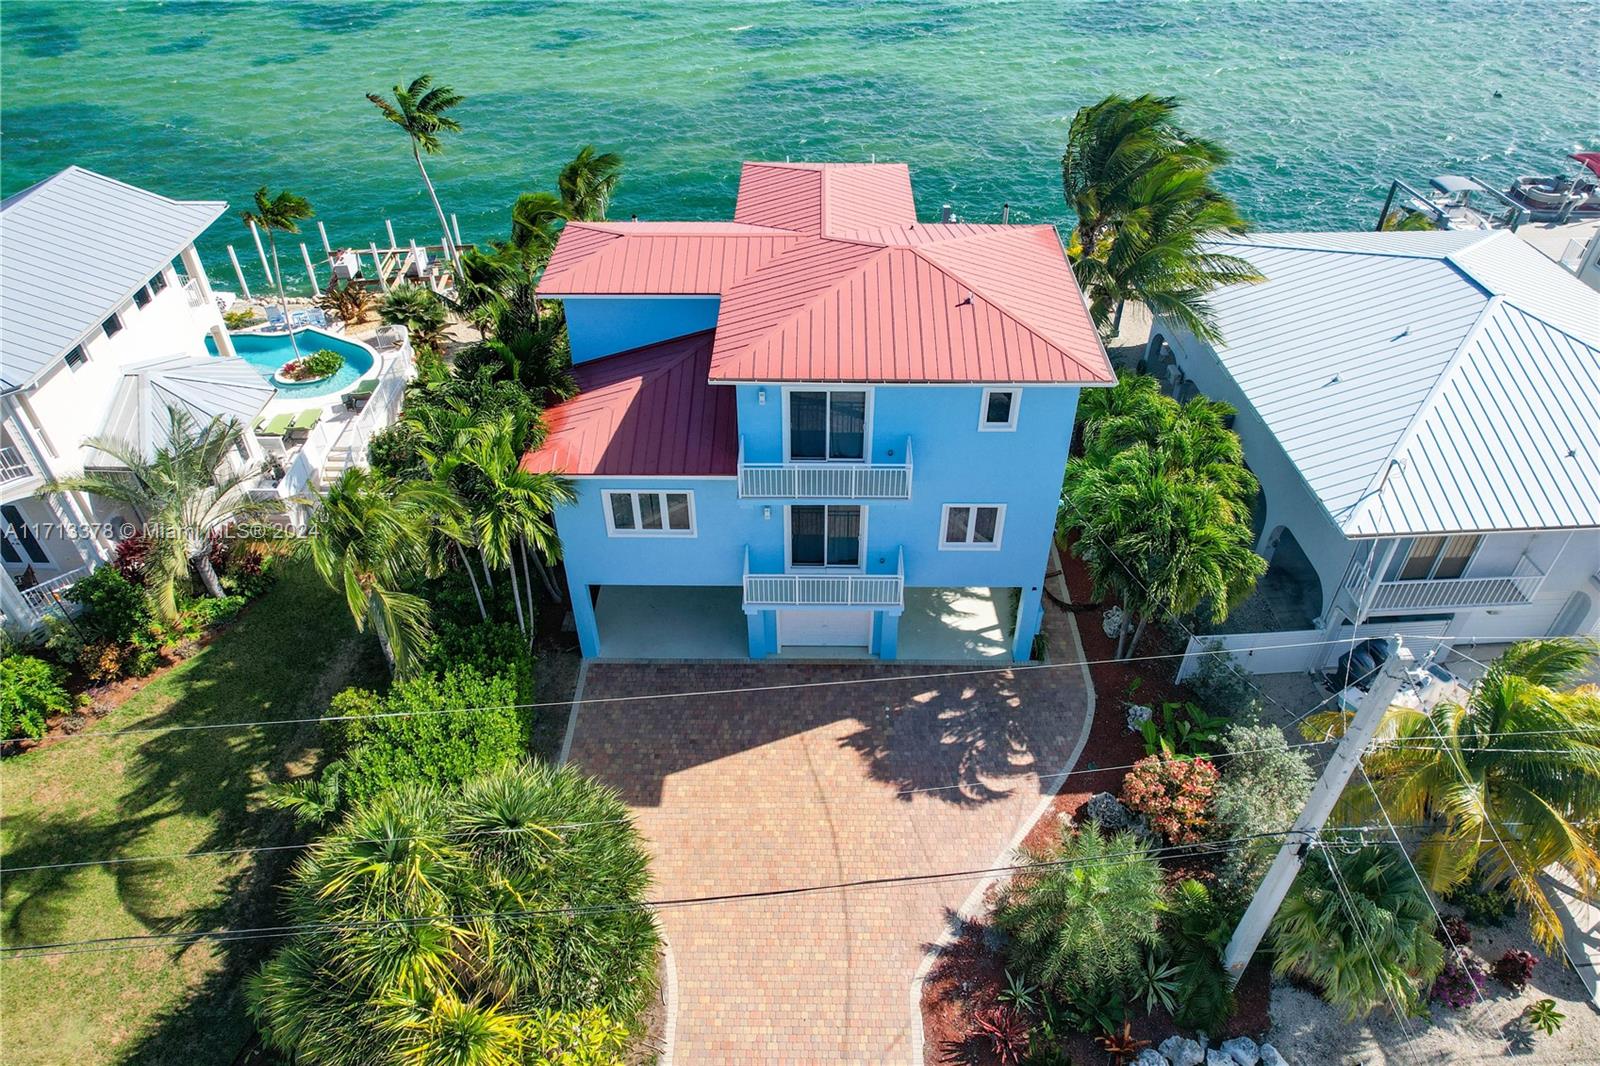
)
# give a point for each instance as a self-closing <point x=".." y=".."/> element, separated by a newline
<point x="810" y="786"/>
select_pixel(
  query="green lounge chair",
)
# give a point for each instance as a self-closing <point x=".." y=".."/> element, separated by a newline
<point x="277" y="426"/>
<point x="357" y="398"/>
<point x="303" y="424"/>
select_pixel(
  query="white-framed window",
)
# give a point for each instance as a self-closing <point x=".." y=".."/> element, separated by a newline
<point x="669" y="513"/>
<point x="826" y="425"/>
<point x="999" y="411"/>
<point x="971" y="526"/>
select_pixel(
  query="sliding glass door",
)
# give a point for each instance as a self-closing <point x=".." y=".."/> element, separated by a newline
<point x="827" y="424"/>
<point x="825" y="535"/>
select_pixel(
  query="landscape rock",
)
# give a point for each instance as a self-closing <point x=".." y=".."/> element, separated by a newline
<point x="1219" y="1058"/>
<point x="1150" y="1057"/>
<point x="1181" y="1051"/>
<point x="1242" y="1050"/>
<point x="1270" y="1056"/>
<point x="1106" y="810"/>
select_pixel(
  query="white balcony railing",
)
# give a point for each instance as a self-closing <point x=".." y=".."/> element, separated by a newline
<point x="195" y="294"/>
<point x="825" y="481"/>
<point x="13" y="467"/>
<point x="828" y="589"/>
<point x="1509" y="590"/>
<point x="50" y="595"/>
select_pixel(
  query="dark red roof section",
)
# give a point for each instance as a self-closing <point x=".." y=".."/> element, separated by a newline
<point x="826" y="275"/>
<point x="649" y="412"/>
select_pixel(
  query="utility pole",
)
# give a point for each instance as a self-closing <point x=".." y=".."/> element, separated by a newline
<point x="1269" y="896"/>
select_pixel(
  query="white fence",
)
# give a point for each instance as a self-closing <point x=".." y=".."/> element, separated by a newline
<point x="13" y="467"/>
<point x="1300" y="650"/>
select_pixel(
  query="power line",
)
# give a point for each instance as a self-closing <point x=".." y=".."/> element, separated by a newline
<point x="67" y="947"/>
<point x="1016" y="668"/>
<point x="1360" y="928"/>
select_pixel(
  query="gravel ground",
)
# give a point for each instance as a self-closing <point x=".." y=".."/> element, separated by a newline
<point x="1308" y="1032"/>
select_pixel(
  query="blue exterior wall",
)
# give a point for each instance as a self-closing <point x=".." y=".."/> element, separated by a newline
<point x="952" y="462"/>
<point x="606" y="325"/>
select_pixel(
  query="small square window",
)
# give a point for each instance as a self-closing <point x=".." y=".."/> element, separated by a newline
<point x="972" y="526"/>
<point x="141" y="296"/>
<point x="158" y="282"/>
<point x="77" y="357"/>
<point x="112" y="326"/>
<point x="999" y="409"/>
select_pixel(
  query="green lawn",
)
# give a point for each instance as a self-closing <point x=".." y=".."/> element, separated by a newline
<point x="157" y="794"/>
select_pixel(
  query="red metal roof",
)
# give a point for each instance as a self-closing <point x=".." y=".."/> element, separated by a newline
<point x="826" y="275"/>
<point x="647" y="412"/>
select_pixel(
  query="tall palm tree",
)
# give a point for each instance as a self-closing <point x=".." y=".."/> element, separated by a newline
<point x="419" y="109"/>
<point x="584" y="190"/>
<point x="1496" y="799"/>
<point x="1141" y="187"/>
<point x="183" y="492"/>
<point x="512" y="507"/>
<point x="1193" y="440"/>
<point x="283" y="212"/>
<point x="368" y="538"/>
<point x="1359" y="926"/>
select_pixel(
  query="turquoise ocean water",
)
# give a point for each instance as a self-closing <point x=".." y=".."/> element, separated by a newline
<point x="1322" y="102"/>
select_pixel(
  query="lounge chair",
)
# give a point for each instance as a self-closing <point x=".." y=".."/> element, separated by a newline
<point x="275" y="427"/>
<point x="302" y="425"/>
<point x="276" y="318"/>
<point x="357" y="398"/>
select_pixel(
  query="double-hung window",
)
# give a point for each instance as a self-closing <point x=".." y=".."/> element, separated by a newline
<point x="1438" y="558"/>
<point x="999" y="412"/>
<point x="825" y="535"/>
<point x="971" y="526"/>
<point x="827" y="424"/>
<point x="650" y="514"/>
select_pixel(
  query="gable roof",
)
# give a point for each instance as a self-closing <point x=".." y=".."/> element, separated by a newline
<point x="1422" y="383"/>
<point x="204" y="387"/>
<point x="826" y="275"/>
<point x="77" y="245"/>
<point x="643" y="413"/>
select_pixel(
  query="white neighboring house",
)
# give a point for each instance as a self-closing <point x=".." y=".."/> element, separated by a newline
<point x="1423" y="413"/>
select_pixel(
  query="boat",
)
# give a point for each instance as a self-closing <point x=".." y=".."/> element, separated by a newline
<point x="1559" y="197"/>
<point x="1450" y="203"/>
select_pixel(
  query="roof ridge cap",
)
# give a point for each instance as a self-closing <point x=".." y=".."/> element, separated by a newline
<point x="1028" y="327"/>
<point x="1506" y="301"/>
<point x="1243" y="241"/>
<point x="1375" y="485"/>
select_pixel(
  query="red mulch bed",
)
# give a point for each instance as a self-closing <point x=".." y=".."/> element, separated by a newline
<point x="969" y="974"/>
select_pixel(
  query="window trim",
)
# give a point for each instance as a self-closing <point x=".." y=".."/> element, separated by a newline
<point x="792" y="567"/>
<point x="986" y="426"/>
<point x="866" y="423"/>
<point x="969" y="545"/>
<point x="633" y="495"/>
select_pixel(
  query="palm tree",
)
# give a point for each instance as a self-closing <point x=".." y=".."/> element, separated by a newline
<point x="368" y="538"/>
<point x="512" y="507"/>
<point x="584" y="190"/>
<point x="419" y="109"/>
<point x="1358" y="925"/>
<point x="1142" y="189"/>
<point x="1194" y="440"/>
<point x="1085" y="921"/>
<point x="1403" y="221"/>
<point x="1496" y="799"/>
<point x="421" y="310"/>
<point x="183" y="492"/>
<point x="282" y="212"/>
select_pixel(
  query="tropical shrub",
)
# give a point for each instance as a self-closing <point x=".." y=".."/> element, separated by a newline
<point x="30" y="692"/>
<point x="112" y="608"/>
<point x="1460" y="983"/>
<point x="498" y="921"/>
<point x="1362" y="936"/>
<point x="393" y="451"/>
<point x="1544" y="1017"/>
<point x="419" y="309"/>
<point x="1220" y="686"/>
<point x="130" y="556"/>
<point x="1086" y="922"/>
<point x="430" y="730"/>
<point x="239" y="319"/>
<point x="1514" y="969"/>
<point x="205" y="613"/>
<point x="1452" y="930"/>
<point x="1174" y="795"/>
<point x="114" y="633"/>
<point x="1195" y="926"/>
<point x="348" y="302"/>
<point x="324" y="362"/>
<point x="1181" y="729"/>
<point x="1007" y="1032"/>
<point x="493" y="649"/>
<point x="1482" y="904"/>
<point x="1263" y="788"/>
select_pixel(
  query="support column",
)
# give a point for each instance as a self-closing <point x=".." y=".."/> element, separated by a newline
<point x="196" y="270"/>
<point x="1030" y="611"/>
<point x="583" y="618"/>
<point x="755" y="623"/>
<point x="15" y="614"/>
<point x="888" y="635"/>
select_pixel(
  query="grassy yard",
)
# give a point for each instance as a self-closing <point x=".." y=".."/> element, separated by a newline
<point x="157" y="794"/>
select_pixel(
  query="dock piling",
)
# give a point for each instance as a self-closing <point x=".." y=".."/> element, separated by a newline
<point x="378" y="268"/>
<point x="311" y="271"/>
<point x="390" y="227"/>
<point x="326" y="247"/>
<point x="262" y="252"/>
<point x="238" y="272"/>
<point x="455" y="224"/>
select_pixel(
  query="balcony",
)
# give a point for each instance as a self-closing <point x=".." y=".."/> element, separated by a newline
<point x="13" y="467"/>
<point x="1509" y="590"/>
<point x="48" y="596"/>
<point x="825" y="588"/>
<point x="194" y="293"/>
<point x="825" y="481"/>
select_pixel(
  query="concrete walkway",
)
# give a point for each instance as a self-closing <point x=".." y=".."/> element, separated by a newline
<point x="886" y="776"/>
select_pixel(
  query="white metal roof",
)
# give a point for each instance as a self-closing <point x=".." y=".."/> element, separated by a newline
<point x="204" y="387"/>
<point x="73" y="248"/>
<point x="1422" y="382"/>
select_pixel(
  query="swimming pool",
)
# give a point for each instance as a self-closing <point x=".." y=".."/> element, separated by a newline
<point x="268" y="351"/>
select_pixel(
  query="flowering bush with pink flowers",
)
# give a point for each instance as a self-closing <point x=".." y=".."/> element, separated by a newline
<point x="1174" y="794"/>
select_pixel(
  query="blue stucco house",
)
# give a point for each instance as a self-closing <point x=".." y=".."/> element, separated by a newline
<point x="822" y="429"/>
